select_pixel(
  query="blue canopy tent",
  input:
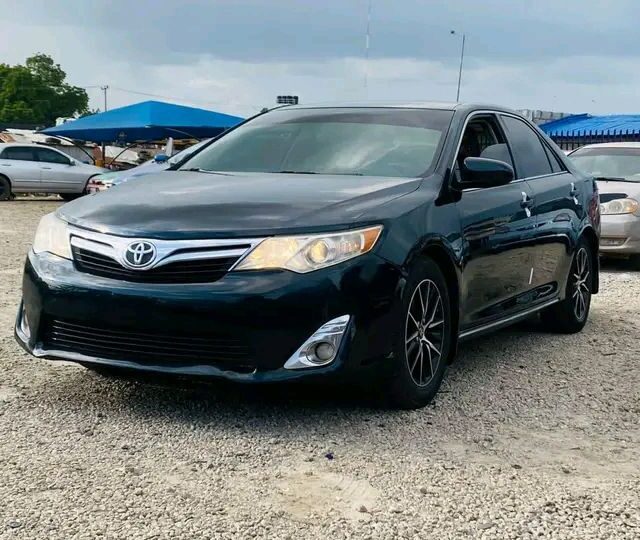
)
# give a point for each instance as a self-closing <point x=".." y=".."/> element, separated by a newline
<point x="146" y="121"/>
<point x="579" y="129"/>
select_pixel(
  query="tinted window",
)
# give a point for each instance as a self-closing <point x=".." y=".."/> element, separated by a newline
<point x="528" y="152"/>
<point x="21" y="153"/>
<point x="376" y="142"/>
<point x="556" y="166"/>
<point x="50" y="156"/>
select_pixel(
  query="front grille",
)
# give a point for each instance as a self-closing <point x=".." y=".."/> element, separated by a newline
<point x="157" y="348"/>
<point x="189" y="271"/>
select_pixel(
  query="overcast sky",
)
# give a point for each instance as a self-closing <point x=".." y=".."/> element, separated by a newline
<point x="235" y="56"/>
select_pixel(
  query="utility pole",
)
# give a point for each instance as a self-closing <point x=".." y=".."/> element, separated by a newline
<point x="453" y="32"/>
<point x="104" y="89"/>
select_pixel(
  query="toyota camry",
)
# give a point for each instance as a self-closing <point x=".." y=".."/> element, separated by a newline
<point x="318" y="243"/>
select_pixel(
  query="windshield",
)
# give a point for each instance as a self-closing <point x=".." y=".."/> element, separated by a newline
<point x="362" y="141"/>
<point x="609" y="162"/>
<point x="186" y="152"/>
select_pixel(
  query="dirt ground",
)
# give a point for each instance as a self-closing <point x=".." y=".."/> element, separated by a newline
<point x="533" y="435"/>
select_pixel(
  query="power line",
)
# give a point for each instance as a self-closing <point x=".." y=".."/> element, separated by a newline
<point x="147" y="94"/>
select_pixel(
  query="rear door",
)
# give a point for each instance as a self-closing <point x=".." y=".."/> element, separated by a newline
<point x="498" y="229"/>
<point x="20" y="165"/>
<point x="58" y="174"/>
<point x="558" y="206"/>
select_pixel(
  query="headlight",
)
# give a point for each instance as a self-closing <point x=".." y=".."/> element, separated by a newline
<point x="307" y="253"/>
<point x="619" y="206"/>
<point x="52" y="236"/>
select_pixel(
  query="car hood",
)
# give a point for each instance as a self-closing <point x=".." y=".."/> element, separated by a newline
<point x="203" y="205"/>
<point x="610" y="189"/>
<point x="148" y="167"/>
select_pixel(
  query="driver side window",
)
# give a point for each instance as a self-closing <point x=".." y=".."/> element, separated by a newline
<point x="483" y="138"/>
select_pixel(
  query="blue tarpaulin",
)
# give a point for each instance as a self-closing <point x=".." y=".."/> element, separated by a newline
<point x="146" y="121"/>
<point x="578" y="124"/>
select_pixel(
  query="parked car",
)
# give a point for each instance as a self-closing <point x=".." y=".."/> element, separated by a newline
<point x="161" y="162"/>
<point x="616" y="167"/>
<point x="26" y="168"/>
<point x="317" y="243"/>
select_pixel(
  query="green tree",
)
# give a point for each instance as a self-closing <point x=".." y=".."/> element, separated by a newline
<point x="36" y="93"/>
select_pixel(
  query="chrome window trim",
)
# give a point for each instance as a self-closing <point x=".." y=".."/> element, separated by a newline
<point x="481" y="112"/>
<point x="115" y="247"/>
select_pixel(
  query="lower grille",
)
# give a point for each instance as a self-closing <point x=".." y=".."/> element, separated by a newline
<point x="147" y="347"/>
<point x="190" y="271"/>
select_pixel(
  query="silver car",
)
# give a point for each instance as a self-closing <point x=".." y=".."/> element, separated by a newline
<point x="36" y="168"/>
<point x="616" y="167"/>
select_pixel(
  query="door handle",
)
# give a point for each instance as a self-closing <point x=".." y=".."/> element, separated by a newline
<point x="574" y="193"/>
<point x="6" y="164"/>
<point x="48" y="168"/>
<point x="526" y="203"/>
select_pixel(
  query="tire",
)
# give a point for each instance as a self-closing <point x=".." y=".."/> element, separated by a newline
<point x="70" y="196"/>
<point x="570" y="315"/>
<point x="5" y="189"/>
<point x="423" y="337"/>
<point x="634" y="261"/>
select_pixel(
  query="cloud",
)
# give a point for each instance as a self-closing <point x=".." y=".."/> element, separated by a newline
<point x="236" y="56"/>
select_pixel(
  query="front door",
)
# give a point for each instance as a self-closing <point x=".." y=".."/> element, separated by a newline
<point x="57" y="173"/>
<point x="498" y="229"/>
<point x="20" y="165"/>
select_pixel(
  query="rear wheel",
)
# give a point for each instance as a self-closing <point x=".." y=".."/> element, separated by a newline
<point x="424" y="337"/>
<point x="570" y="315"/>
<point x="5" y="189"/>
<point x="635" y="262"/>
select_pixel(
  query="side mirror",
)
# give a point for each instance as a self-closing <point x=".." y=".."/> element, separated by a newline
<point x="161" y="158"/>
<point x="483" y="172"/>
<point x="72" y="163"/>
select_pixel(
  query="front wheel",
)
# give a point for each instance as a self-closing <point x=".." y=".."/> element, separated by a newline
<point x="570" y="315"/>
<point x="423" y="337"/>
<point x="5" y="189"/>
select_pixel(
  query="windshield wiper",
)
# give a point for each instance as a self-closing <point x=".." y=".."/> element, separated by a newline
<point x="613" y="179"/>
<point x="328" y="174"/>
<point x="206" y="171"/>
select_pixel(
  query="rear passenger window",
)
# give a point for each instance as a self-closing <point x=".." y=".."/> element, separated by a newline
<point x="553" y="159"/>
<point x="18" y="153"/>
<point x="528" y="151"/>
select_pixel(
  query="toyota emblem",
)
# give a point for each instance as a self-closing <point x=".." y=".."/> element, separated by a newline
<point x="140" y="254"/>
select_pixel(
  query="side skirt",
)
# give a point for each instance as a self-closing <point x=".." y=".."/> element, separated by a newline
<point x="495" y="325"/>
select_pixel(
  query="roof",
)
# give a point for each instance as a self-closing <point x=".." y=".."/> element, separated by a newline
<point x="443" y="105"/>
<point x="146" y="121"/>
<point x="612" y="145"/>
<point x="606" y="125"/>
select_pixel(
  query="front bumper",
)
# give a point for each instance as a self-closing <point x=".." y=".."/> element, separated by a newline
<point x="270" y="314"/>
<point x="620" y="235"/>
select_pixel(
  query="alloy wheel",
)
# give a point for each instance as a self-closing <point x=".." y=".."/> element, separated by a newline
<point x="424" y="332"/>
<point x="581" y="292"/>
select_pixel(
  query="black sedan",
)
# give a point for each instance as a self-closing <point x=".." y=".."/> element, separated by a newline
<point x="321" y="242"/>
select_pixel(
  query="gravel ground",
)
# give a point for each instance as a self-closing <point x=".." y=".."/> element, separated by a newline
<point x="533" y="435"/>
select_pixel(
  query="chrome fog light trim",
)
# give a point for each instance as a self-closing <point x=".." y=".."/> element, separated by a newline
<point x="322" y="347"/>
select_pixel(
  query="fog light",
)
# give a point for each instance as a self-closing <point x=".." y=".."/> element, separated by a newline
<point x="324" y="351"/>
<point x="322" y="347"/>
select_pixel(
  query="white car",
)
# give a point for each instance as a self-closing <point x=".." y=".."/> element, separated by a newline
<point x="36" y="168"/>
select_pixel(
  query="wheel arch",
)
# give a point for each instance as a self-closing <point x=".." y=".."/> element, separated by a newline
<point x="444" y="258"/>
<point x="592" y="239"/>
